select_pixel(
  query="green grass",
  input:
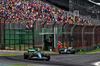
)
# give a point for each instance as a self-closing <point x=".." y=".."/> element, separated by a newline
<point x="96" y="50"/>
<point x="11" y="54"/>
<point x="17" y="47"/>
<point x="18" y="64"/>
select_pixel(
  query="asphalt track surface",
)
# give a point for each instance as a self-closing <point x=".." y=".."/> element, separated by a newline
<point x="56" y="60"/>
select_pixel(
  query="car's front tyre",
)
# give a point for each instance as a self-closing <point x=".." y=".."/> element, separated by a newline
<point x="26" y="55"/>
<point x="48" y="57"/>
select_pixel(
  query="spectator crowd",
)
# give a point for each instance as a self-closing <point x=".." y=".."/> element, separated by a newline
<point x="22" y="10"/>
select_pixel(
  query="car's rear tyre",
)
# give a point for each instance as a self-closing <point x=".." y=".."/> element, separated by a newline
<point x="48" y="57"/>
<point x="26" y="55"/>
<point x="73" y="52"/>
<point x="60" y="52"/>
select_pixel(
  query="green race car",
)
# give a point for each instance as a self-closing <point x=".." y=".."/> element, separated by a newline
<point x="68" y="50"/>
<point x="35" y="53"/>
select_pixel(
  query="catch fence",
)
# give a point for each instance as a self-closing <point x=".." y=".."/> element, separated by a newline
<point x="17" y="36"/>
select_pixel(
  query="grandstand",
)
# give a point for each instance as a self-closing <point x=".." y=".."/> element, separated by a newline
<point x="85" y="7"/>
<point x="25" y="24"/>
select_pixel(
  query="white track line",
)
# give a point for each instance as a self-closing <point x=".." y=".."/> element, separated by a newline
<point x="97" y="64"/>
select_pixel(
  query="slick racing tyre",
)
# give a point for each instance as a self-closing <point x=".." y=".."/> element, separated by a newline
<point x="73" y="52"/>
<point x="60" y="52"/>
<point x="26" y="55"/>
<point x="48" y="57"/>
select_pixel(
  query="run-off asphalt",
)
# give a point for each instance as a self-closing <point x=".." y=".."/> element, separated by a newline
<point x="56" y="60"/>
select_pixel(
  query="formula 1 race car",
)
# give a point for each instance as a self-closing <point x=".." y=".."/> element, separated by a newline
<point x="68" y="50"/>
<point x="35" y="53"/>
